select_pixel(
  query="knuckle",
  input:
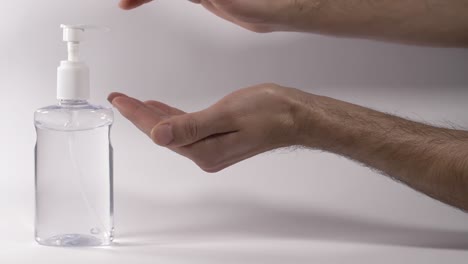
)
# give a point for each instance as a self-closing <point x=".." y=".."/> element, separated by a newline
<point x="191" y="129"/>
<point x="271" y="90"/>
<point x="269" y="87"/>
<point x="136" y="111"/>
<point x="166" y="109"/>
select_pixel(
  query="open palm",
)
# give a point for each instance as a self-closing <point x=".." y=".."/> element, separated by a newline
<point x="241" y="125"/>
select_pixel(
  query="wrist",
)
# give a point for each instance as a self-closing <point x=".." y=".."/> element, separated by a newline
<point x="306" y="118"/>
<point x="300" y="15"/>
<point x="320" y="122"/>
<point x="310" y="120"/>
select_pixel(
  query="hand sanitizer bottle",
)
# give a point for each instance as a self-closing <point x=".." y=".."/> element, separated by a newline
<point x="73" y="156"/>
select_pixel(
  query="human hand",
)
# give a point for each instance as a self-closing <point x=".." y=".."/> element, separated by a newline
<point x="254" y="15"/>
<point x="243" y="124"/>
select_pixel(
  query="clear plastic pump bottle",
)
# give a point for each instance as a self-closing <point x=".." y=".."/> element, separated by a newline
<point x="73" y="156"/>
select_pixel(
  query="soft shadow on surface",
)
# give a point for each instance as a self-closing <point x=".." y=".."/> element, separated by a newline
<point x="143" y="222"/>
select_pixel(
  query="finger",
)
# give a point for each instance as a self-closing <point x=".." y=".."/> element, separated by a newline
<point x="186" y="129"/>
<point x="114" y="95"/>
<point x="130" y="4"/>
<point x="138" y="113"/>
<point x="169" y="110"/>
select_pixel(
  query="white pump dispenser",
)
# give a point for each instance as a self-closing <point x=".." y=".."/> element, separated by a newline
<point x="73" y="74"/>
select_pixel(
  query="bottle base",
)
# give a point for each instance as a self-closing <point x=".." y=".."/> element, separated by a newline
<point x="73" y="240"/>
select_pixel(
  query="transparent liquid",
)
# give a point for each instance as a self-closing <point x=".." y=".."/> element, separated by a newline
<point x="74" y="197"/>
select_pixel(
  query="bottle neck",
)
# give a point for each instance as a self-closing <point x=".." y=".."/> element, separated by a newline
<point x="72" y="103"/>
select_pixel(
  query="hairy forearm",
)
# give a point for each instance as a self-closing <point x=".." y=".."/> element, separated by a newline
<point x="435" y="22"/>
<point x="429" y="159"/>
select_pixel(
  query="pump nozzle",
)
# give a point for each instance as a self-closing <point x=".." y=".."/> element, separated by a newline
<point x="73" y="74"/>
<point x="73" y="35"/>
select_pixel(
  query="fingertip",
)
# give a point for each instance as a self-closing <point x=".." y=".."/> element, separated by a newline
<point x="131" y="4"/>
<point x="126" y="103"/>
<point x="120" y="102"/>
<point x="124" y="4"/>
<point x="114" y="95"/>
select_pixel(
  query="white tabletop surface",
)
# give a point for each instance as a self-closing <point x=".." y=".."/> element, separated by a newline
<point x="217" y="229"/>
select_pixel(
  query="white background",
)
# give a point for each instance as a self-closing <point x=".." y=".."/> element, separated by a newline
<point x="288" y="206"/>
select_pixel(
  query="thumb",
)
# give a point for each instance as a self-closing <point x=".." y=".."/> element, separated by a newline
<point x="186" y="129"/>
<point x="130" y="4"/>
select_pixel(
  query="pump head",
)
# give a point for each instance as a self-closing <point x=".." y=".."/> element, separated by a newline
<point x="73" y="74"/>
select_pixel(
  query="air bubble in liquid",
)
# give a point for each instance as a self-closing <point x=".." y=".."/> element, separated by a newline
<point x="95" y="231"/>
